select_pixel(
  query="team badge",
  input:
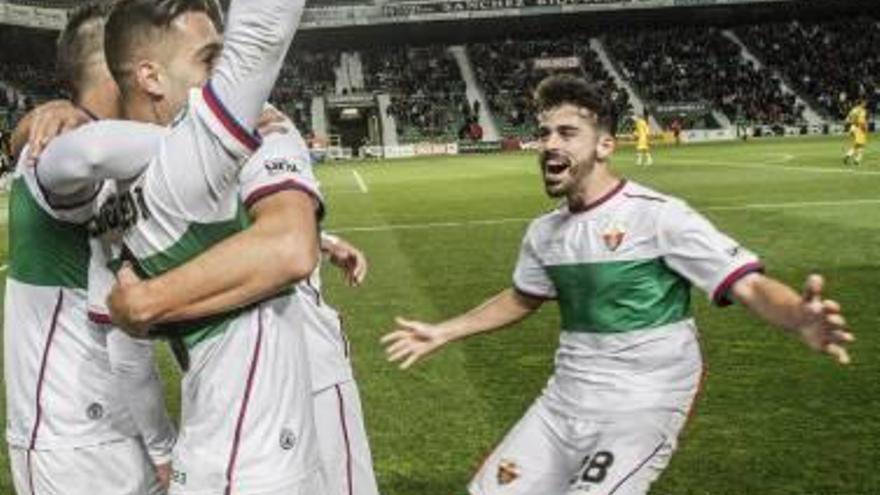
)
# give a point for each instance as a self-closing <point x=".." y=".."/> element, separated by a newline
<point x="508" y="472"/>
<point x="613" y="236"/>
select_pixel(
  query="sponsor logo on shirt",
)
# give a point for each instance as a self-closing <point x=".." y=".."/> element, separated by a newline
<point x="280" y="165"/>
<point x="119" y="212"/>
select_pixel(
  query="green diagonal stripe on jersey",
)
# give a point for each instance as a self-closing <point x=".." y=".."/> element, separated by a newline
<point x="198" y="238"/>
<point x="619" y="296"/>
<point x="44" y="251"/>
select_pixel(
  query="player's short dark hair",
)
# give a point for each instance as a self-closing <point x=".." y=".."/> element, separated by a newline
<point x="81" y="39"/>
<point x="561" y="89"/>
<point x="132" y="22"/>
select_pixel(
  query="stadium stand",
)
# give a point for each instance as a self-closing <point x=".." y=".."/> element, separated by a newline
<point x="698" y="64"/>
<point x="427" y="93"/>
<point x="833" y="63"/>
<point x="507" y="73"/>
<point x="305" y="74"/>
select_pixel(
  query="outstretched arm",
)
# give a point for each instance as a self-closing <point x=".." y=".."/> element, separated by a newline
<point x="817" y="322"/>
<point x="413" y="340"/>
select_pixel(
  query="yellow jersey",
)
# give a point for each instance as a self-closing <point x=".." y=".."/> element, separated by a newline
<point x="642" y="131"/>
<point x="858" y="121"/>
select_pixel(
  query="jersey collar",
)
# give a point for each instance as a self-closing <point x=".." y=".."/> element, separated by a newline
<point x="595" y="204"/>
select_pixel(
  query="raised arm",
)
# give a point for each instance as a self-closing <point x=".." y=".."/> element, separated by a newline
<point x="256" y="40"/>
<point x="207" y="149"/>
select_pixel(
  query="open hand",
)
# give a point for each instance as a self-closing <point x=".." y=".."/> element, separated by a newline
<point x="411" y="341"/>
<point x="823" y="328"/>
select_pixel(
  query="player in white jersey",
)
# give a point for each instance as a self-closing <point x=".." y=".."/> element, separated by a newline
<point x="187" y="291"/>
<point x="68" y="413"/>
<point x="342" y="435"/>
<point x="619" y="259"/>
<point x="192" y="291"/>
<point x="246" y="427"/>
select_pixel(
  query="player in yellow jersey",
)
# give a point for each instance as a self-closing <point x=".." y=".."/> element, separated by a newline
<point x="643" y="146"/>
<point x="858" y="130"/>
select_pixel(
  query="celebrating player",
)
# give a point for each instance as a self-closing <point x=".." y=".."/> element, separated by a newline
<point x="192" y="291"/>
<point x="81" y="398"/>
<point x="858" y="131"/>
<point x="619" y="258"/>
<point x="238" y="434"/>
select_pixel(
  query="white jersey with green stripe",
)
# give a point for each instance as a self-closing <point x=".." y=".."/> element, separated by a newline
<point x="162" y="227"/>
<point x="621" y="270"/>
<point x="57" y="368"/>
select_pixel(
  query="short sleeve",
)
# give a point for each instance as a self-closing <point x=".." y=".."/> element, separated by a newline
<point x="529" y="276"/>
<point x="281" y="163"/>
<point x="695" y="249"/>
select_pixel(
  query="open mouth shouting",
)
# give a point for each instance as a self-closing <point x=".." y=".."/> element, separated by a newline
<point x="554" y="165"/>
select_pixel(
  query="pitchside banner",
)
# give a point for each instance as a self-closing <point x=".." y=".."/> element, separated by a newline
<point x="449" y="6"/>
<point x="38" y="17"/>
<point x="428" y="7"/>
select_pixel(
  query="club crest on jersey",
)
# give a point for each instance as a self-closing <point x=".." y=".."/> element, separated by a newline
<point x="508" y="472"/>
<point x="613" y="236"/>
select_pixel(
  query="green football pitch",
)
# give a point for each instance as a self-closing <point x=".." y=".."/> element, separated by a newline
<point x="442" y="234"/>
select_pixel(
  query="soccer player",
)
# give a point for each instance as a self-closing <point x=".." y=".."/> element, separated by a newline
<point x="194" y="290"/>
<point x="619" y="258"/>
<point x="186" y="292"/>
<point x="247" y="426"/>
<point x="858" y="130"/>
<point x="643" y="146"/>
<point x="81" y="398"/>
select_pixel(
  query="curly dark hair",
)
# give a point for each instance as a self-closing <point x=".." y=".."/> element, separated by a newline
<point x="561" y="89"/>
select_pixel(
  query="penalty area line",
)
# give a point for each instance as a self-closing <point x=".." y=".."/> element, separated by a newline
<point x="360" y="181"/>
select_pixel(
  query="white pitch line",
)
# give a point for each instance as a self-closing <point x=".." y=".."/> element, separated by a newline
<point x="3" y="267"/>
<point x="775" y="166"/>
<point x="360" y="181"/>
<point x="500" y="221"/>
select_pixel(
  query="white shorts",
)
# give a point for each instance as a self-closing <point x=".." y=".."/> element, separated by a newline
<point x="247" y="425"/>
<point x="121" y="468"/>
<point x="550" y="454"/>
<point x="342" y="438"/>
